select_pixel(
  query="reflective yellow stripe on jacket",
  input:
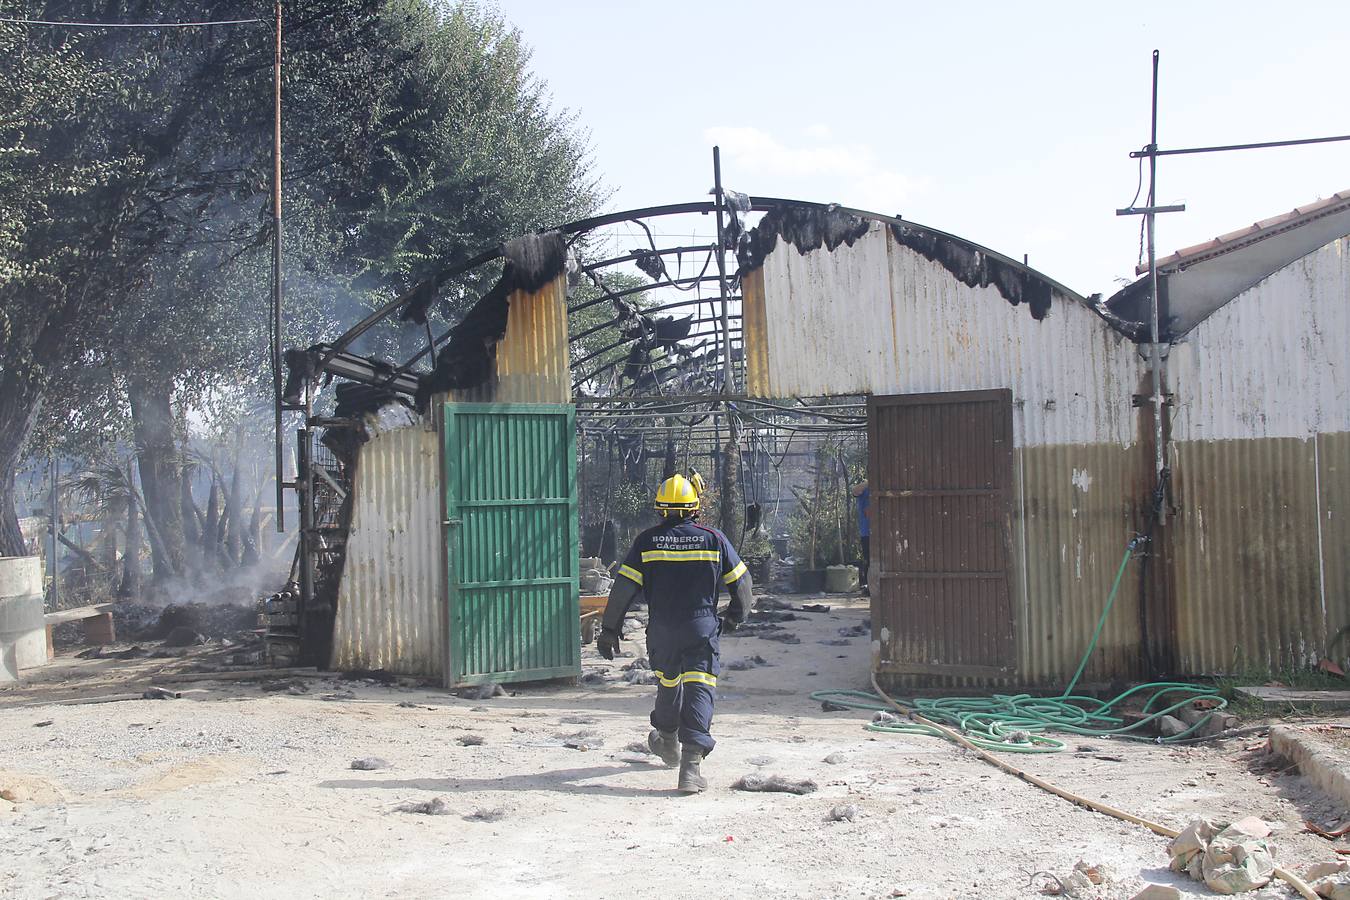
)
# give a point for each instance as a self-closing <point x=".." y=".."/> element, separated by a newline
<point x="681" y="556"/>
<point x="632" y="573"/>
<point x="734" y="574"/>
<point x="686" y="678"/>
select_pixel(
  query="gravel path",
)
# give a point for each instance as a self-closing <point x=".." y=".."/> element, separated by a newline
<point x="237" y="792"/>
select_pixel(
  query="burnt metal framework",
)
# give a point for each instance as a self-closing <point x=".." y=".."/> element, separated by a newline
<point x="666" y="364"/>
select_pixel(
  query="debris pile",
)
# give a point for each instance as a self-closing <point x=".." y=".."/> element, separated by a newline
<point x="1229" y="859"/>
<point x="436" y="806"/>
<point x="844" y="812"/>
<point x="595" y="578"/>
<point x="369" y="764"/>
<point x="774" y="784"/>
<point x="1330" y="880"/>
<point x="1082" y="881"/>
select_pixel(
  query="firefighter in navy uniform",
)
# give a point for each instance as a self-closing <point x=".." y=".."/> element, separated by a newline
<point x="680" y="566"/>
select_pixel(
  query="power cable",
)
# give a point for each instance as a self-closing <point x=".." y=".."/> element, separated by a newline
<point x="52" y="23"/>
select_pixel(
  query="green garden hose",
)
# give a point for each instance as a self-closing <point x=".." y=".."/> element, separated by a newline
<point x="1018" y="722"/>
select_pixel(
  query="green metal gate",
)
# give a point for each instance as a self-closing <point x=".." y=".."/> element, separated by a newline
<point x="511" y="542"/>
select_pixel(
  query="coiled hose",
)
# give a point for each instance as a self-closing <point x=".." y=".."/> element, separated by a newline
<point x="1017" y="723"/>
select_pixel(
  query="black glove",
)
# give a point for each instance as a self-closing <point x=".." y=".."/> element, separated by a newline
<point x="607" y="643"/>
<point x="728" y="624"/>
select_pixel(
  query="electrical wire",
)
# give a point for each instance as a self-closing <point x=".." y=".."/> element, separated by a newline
<point x="56" y="24"/>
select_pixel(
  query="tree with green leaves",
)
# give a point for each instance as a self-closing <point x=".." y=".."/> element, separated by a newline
<point x="415" y="136"/>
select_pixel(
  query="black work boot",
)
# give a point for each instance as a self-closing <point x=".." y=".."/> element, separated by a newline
<point x="691" y="780"/>
<point x="665" y="745"/>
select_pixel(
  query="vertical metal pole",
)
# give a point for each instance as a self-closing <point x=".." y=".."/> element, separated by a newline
<point x="1159" y="451"/>
<point x="56" y="531"/>
<point x="722" y="272"/>
<point x="731" y="503"/>
<point x="308" y="537"/>
<point x="276" y="271"/>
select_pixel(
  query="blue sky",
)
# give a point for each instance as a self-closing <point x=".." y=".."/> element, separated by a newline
<point x="1006" y="123"/>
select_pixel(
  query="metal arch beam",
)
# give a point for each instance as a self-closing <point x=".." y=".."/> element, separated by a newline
<point x="440" y="278"/>
<point x="614" y="261"/>
<point x="655" y="309"/>
<point x="757" y="204"/>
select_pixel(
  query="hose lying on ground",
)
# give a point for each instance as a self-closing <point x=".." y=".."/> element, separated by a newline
<point x="1298" y="884"/>
<point x="1017" y="723"/>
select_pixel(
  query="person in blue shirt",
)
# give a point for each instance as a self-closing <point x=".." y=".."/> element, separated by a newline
<point x="681" y="567"/>
<point x="864" y="498"/>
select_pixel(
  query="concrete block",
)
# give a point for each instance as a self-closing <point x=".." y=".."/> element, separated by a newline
<point x="1319" y="760"/>
<point x="1279" y="698"/>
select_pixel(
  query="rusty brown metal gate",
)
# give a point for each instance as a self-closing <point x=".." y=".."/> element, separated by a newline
<point x="941" y="478"/>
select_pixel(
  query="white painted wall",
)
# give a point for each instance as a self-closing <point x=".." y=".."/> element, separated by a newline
<point x="1275" y="361"/>
<point x="879" y="318"/>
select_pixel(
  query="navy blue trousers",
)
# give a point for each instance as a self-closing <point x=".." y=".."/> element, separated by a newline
<point x="684" y="658"/>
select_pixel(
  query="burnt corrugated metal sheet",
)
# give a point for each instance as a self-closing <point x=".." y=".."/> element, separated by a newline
<point x="532" y="361"/>
<point x="755" y="334"/>
<point x="879" y="318"/>
<point x="1262" y="472"/>
<point x="391" y="599"/>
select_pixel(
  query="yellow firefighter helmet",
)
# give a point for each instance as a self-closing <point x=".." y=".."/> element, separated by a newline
<point x="676" y="494"/>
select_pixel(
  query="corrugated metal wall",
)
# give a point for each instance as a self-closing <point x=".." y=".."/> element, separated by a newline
<point x="1261" y="444"/>
<point x="533" y="364"/>
<point x="879" y="318"/>
<point x="941" y="534"/>
<point x="391" y="600"/>
<point x="511" y="489"/>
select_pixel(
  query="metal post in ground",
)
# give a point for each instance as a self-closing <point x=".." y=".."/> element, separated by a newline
<point x="1155" y="355"/>
<point x="276" y="273"/>
<point x="730" y="495"/>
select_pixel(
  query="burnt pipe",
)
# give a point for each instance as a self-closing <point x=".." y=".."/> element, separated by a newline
<point x="804" y="227"/>
<point x="467" y="359"/>
<point x="974" y="268"/>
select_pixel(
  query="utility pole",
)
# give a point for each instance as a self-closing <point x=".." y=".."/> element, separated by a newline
<point x="276" y="271"/>
<point x="1150" y="212"/>
<point x="1155" y="355"/>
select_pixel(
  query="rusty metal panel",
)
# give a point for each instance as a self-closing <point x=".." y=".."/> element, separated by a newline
<point x="941" y="484"/>
<point x="879" y="318"/>
<point x="1333" y="482"/>
<point x="1077" y="506"/>
<point x="755" y="334"/>
<point x="532" y="360"/>
<point x="1247" y="572"/>
<point x="391" y="599"/>
<point x="1261" y="440"/>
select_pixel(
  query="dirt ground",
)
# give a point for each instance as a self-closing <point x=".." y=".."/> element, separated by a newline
<point x="233" y="791"/>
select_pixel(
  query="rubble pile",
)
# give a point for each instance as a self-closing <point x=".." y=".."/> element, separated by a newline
<point x="1229" y="859"/>
<point x="595" y="578"/>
